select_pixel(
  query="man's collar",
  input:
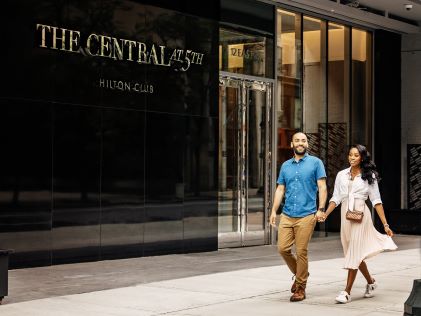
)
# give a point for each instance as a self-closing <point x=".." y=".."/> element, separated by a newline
<point x="303" y="158"/>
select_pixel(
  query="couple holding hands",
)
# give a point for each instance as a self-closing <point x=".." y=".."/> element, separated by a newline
<point x="300" y="179"/>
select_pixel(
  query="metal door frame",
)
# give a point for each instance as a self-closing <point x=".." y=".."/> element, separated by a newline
<point x="242" y="237"/>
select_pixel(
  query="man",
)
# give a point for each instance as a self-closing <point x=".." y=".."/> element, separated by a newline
<point x="299" y="179"/>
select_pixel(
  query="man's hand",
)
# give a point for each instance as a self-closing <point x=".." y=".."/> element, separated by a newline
<point x="272" y="219"/>
<point x="321" y="216"/>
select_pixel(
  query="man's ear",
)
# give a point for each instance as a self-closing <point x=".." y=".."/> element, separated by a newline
<point x="292" y="145"/>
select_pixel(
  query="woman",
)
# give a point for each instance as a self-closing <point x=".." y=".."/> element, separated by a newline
<point x="360" y="241"/>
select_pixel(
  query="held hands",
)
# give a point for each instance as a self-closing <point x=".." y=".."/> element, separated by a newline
<point x="321" y="216"/>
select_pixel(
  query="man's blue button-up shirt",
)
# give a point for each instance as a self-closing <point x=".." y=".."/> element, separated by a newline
<point x="300" y="180"/>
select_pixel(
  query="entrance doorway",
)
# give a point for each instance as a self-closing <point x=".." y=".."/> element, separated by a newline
<point x="245" y="162"/>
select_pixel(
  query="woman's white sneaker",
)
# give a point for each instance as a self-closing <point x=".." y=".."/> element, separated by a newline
<point x="369" y="289"/>
<point x="343" y="297"/>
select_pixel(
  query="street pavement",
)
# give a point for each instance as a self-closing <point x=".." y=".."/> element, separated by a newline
<point x="239" y="281"/>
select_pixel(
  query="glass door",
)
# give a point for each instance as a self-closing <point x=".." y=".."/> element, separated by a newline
<point x="244" y="161"/>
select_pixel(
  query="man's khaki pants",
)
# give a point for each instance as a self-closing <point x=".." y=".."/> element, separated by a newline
<point x="298" y="230"/>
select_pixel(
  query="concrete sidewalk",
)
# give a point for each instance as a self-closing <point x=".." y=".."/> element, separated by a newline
<point x="253" y="290"/>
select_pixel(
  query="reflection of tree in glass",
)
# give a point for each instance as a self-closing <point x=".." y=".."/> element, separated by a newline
<point x="190" y="91"/>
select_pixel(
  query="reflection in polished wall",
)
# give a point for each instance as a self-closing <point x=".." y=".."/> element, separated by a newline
<point x="200" y="221"/>
<point x="25" y="181"/>
<point x="76" y="186"/>
<point x="122" y="185"/>
<point x="164" y="183"/>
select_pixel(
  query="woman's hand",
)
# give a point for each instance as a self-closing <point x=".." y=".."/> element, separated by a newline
<point x="320" y="216"/>
<point x="388" y="231"/>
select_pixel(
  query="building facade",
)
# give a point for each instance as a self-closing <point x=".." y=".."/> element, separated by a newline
<point x="137" y="128"/>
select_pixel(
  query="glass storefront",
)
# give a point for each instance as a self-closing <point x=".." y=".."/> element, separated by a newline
<point x="323" y="88"/>
<point x="324" y="80"/>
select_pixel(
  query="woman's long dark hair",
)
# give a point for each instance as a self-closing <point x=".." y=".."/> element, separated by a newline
<point x="368" y="167"/>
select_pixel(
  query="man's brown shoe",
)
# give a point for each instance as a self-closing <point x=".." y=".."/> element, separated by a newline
<point x="299" y="294"/>
<point x="294" y="285"/>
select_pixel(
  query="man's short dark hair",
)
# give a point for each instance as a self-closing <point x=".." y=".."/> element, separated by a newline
<point x="298" y="132"/>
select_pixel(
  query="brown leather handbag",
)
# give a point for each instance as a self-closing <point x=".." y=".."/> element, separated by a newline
<point x="355" y="216"/>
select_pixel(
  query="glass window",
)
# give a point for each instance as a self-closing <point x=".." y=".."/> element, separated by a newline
<point x="289" y="105"/>
<point x="338" y="100"/>
<point x="314" y="85"/>
<point x="324" y="87"/>
<point x="361" y="88"/>
<point x="338" y="74"/>
<point x="245" y="53"/>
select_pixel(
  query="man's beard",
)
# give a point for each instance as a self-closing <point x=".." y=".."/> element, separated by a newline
<point x="304" y="150"/>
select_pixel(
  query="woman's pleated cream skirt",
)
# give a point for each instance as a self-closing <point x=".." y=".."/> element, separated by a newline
<point x="361" y="241"/>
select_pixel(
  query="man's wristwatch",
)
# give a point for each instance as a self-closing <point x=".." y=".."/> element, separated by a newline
<point x="322" y="209"/>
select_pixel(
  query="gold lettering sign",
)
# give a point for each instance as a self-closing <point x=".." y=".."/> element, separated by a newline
<point x="97" y="45"/>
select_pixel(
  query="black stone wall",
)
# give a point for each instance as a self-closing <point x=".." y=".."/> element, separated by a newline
<point x="88" y="172"/>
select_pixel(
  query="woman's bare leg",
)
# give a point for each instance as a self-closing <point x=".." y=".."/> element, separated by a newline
<point x="364" y="270"/>
<point x="352" y="273"/>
